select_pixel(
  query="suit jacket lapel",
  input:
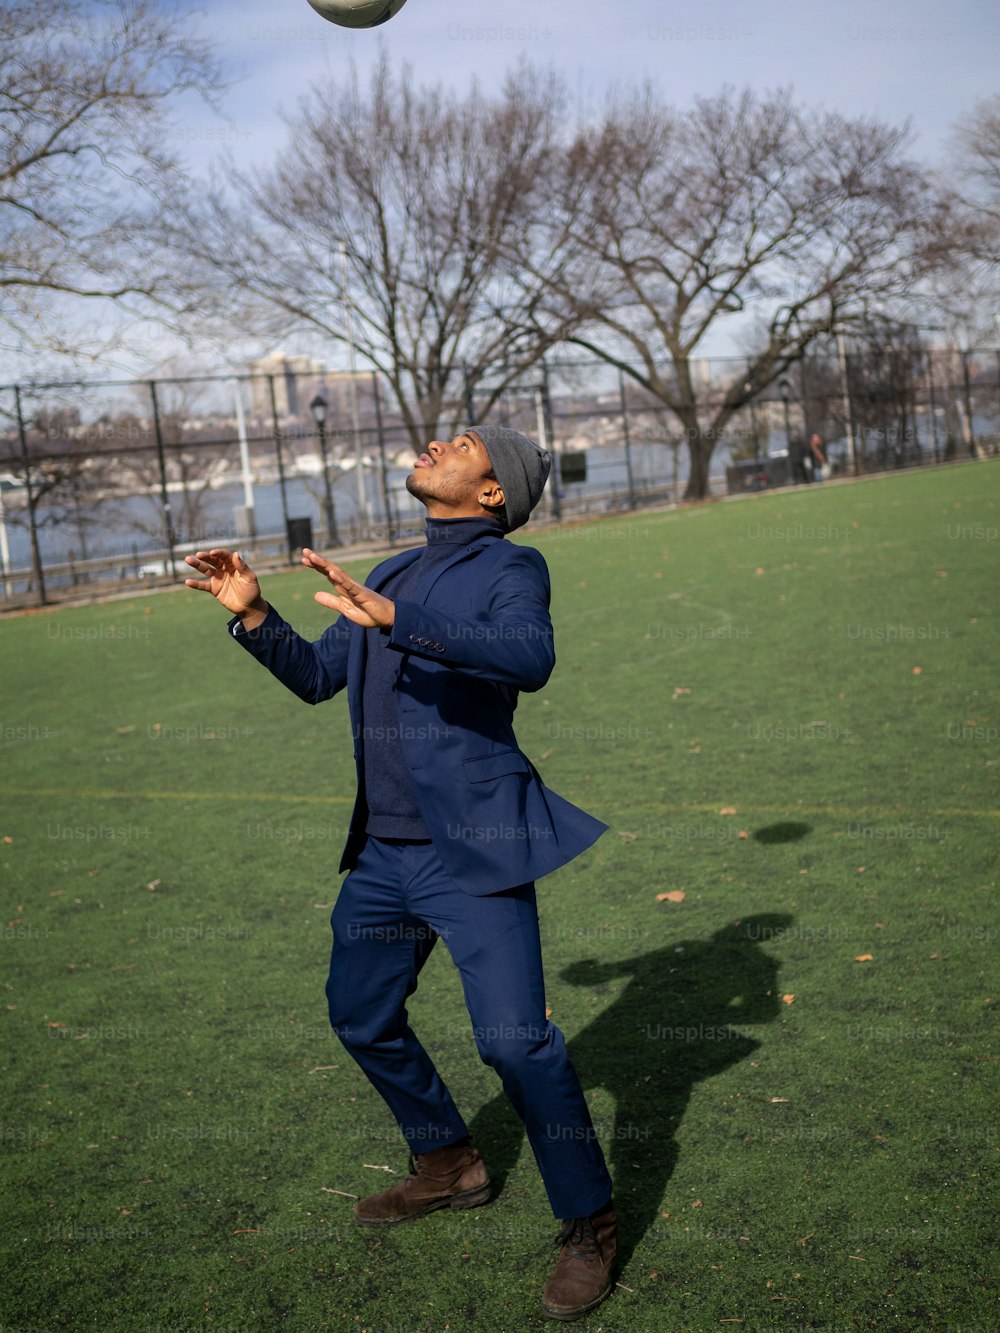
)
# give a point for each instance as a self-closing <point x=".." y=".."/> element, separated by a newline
<point x="394" y="565"/>
<point x="425" y="585"/>
<point x="356" y="651"/>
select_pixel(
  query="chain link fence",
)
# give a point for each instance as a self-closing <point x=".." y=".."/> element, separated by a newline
<point x="108" y="484"/>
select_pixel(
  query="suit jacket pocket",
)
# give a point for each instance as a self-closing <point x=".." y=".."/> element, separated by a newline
<point x="488" y="766"/>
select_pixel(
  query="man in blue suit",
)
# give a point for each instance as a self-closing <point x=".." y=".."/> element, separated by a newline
<point x="451" y="827"/>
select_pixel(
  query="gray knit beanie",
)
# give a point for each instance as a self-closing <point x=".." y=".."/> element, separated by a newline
<point x="521" y="467"/>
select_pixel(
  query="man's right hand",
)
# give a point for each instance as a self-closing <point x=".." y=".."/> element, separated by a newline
<point x="231" y="582"/>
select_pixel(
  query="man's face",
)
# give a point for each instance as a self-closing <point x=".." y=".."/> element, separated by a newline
<point x="450" y="479"/>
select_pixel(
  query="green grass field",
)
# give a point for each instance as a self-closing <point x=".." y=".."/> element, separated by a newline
<point x="786" y="709"/>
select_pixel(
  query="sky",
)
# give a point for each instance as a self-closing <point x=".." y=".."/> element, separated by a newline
<point x="922" y="61"/>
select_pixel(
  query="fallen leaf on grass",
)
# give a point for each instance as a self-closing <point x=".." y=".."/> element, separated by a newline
<point x="864" y="958"/>
<point x="728" y="810"/>
<point x="777" y="1099"/>
<point x="918" y="671"/>
<point x="743" y="833"/>
<point x="788" y="999"/>
<point x="671" y="896"/>
<point x="343" y="1193"/>
<point x="371" y="1167"/>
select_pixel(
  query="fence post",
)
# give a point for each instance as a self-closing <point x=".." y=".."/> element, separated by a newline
<point x="281" y="461"/>
<point x="36" y="554"/>
<point x="380" y="436"/>
<point x="627" y="438"/>
<point x="807" y="431"/>
<point x="968" y="433"/>
<point x="934" y="425"/>
<point x="4" y="549"/>
<point x="164" y="493"/>
<point x="848" y="406"/>
<point x="547" y="439"/>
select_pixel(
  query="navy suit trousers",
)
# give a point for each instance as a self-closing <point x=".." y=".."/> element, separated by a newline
<point x="392" y="908"/>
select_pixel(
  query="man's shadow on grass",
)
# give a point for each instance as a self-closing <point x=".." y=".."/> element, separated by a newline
<point x="671" y="1027"/>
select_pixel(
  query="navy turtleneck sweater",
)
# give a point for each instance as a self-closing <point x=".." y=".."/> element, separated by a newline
<point x="392" y="809"/>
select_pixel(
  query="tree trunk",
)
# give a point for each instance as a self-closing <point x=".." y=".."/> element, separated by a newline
<point x="700" y="452"/>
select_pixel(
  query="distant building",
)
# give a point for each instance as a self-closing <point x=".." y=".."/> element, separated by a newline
<point x="297" y="381"/>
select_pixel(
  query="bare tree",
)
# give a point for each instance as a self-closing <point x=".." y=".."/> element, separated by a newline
<point x="883" y="375"/>
<point x="977" y="139"/>
<point x="388" y="224"/>
<point x="744" y="210"/>
<point x="85" y="91"/>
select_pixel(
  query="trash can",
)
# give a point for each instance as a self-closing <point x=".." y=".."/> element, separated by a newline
<point x="573" y="467"/>
<point x="300" y="533"/>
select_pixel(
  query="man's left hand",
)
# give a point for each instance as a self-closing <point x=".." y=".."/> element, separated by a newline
<point x="352" y="599"/>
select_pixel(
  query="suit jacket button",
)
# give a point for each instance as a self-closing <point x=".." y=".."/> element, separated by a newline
<point x="414" y="639"/>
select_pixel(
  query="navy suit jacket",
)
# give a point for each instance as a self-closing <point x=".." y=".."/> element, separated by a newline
<point x="475" y="633"/>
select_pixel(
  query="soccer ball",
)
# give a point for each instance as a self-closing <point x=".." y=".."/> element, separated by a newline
<point x="357" y="13"/>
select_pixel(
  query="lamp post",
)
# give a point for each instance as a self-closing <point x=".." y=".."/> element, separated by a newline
<point x="318" y="408"/>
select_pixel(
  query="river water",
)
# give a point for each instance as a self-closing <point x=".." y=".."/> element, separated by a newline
<point x="133" y="526"/>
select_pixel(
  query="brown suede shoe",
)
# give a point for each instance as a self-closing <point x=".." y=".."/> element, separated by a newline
<point x="582" y="1276"/>
<point x="450" y="1177"/>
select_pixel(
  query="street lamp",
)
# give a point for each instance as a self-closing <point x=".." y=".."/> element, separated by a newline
<point x="318" y="408"/>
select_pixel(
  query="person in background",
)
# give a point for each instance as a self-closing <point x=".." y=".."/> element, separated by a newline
<point x="817" y="456"/>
